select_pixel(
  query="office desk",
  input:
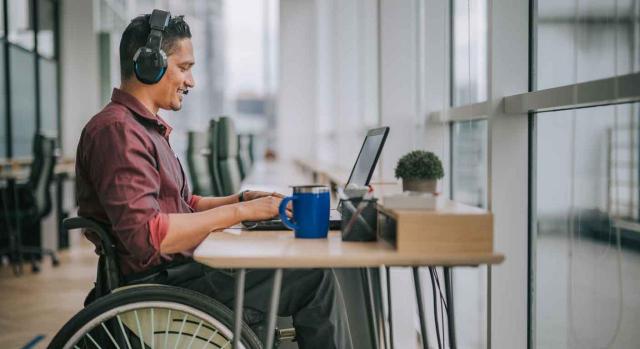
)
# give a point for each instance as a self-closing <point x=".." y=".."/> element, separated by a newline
<point x="238" y="249"/>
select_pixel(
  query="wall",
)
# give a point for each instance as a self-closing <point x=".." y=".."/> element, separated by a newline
<point x="79" y="70"/>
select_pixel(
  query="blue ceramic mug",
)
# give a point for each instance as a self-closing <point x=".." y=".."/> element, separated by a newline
<point x="310" y="211"/>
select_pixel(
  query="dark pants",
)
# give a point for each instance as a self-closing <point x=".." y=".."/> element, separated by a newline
<point x="310" y="296"/>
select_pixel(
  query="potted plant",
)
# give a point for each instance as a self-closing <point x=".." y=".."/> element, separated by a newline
<point x="419" y="171"/>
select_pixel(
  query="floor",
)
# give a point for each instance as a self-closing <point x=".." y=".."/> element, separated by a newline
<point x="34" y="305"/>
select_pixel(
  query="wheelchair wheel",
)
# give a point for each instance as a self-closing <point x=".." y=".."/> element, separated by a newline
<point x="153" y="317"/>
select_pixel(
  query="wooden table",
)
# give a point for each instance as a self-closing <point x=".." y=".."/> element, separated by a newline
<point x="242" y="250"/>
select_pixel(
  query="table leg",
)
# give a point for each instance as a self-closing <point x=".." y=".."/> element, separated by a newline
<point x="388" y="269"/>
<point x="273" y="308"/>
<point x="18" y="232"/>
<point x="370" y="306"/>
<point x="239" y="301"/>
<point x="423" y="321"/>
<point x="379" y="301"/>
<point x="450" y="313"/>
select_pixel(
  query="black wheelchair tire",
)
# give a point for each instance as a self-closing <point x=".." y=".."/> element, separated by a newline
<point x="150" y="293"/>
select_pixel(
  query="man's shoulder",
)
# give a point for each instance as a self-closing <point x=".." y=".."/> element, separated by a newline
<point x="111" y="115"/>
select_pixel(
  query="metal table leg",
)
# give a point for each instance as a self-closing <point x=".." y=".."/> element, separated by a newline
<point x="450" y="313"/>
<point x="423" y="321"/>
<point x="273" y="308"/>
<point x="370" y="307"/>
<point x="389" y="307"/>
<point x="239" y="301"/>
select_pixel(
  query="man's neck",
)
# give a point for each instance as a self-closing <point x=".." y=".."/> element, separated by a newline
<point x="141" y="94"/>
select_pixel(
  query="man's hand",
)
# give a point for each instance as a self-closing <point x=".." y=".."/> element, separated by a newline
<point x="252" y="195"/>
<point x="265" y="207"/>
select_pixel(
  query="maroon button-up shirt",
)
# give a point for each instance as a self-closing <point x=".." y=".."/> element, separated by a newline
<point x="129" y="178"/>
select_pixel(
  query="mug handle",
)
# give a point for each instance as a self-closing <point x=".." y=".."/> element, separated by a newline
<point x="283" y="214"/>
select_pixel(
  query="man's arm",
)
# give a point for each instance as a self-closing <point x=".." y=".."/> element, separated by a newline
<point x="187" y="230"/>
<point x="209" y="202"/>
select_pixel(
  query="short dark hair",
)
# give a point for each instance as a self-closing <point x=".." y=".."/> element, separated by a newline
<point x="137" y="33"/>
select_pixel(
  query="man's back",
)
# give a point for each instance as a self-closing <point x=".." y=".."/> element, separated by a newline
<point x="128" y="177"/>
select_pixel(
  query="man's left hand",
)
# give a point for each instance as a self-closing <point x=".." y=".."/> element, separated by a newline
<point x="252" y="195"/>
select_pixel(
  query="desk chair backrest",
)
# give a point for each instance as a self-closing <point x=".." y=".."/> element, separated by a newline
<point x="197" y="152"/>
<point x="45" y="155"/>
<point x="213" y="160"/>
<point x="228" y="156"/>
<point x="244" y="156"/>
<point x="108" y="276"/>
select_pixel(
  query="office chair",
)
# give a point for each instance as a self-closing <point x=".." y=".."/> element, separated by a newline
<point x="33" y="203"/>
<point x="142" y="315"/>
<point x="213" y="160"/>
<point x="229" y="166"/>
<point x="244" y="156"/>
<point x="197" y="153"/>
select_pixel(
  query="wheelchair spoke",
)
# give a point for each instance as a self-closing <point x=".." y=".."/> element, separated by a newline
<point x="135" y="312"/>
<point x="153" y="341"/>
<point x="94" y="341"/>
<point x="166" y="331"/>
<point x="210" y="338"/>
<point x="184" y="320"/>
<point x="124" y="333"/>
<point x="195" y="334"/>
<point x="110" y="336"/>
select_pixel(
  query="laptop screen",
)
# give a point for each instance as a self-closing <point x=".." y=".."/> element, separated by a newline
<point x="368" y="157"/>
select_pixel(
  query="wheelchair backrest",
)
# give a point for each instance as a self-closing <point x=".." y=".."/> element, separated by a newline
<point x="108" y="276"/>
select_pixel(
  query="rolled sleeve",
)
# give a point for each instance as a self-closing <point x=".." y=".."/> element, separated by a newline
<point x="193" y="201"/>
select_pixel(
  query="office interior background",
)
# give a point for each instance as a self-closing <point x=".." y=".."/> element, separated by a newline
<point x="531" y="105"/>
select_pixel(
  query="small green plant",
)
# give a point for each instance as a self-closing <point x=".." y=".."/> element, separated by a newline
<point x="419" y="164"/>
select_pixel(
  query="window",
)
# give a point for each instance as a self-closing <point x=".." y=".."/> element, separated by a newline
<point x="469" y="142"/>
<point x="48" y="97"/>
<point x="20" y="29"/>
<point x="23" y="108"/>
<point x="586" y="227"/>
<point x="469" y="161"/>
<point x="585" y="40"/>
<point x="3" y="104"/>
<point x="46" y="22"/>
<point x="469" y="51"/>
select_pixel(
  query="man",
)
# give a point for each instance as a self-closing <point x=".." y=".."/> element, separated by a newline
<point x="129" y="178"/>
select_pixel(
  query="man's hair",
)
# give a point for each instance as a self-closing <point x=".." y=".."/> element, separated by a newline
<point x="137" y="33"/>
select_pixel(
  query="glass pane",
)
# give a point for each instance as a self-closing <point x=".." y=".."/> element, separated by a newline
<point x="3" y="105"/>
<point x="469" y="61"/>
<point x="469" y="158"/>
<point x="469" y="180"/>
<point x="586" y="228"/>
<point x="583" y="40"/>
<point x="23" y="107"/>
<point x="48" y="97"/>
<point x="1" y="18"/>
<point x="20" y="23"/>
<point x="46" y="27"/>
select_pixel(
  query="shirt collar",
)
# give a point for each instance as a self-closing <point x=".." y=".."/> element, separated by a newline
<point x="139" y="110"/>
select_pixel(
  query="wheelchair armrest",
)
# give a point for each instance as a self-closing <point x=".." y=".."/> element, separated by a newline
<point x="92" y="225"/>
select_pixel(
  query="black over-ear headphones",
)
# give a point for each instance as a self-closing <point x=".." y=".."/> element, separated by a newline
<point x="150" y="62"/>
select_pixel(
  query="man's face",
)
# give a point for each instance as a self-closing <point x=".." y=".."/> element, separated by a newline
<point x="178" y="78"/>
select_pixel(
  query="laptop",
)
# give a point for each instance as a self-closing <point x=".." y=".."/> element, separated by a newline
<point x="360" y="175"/>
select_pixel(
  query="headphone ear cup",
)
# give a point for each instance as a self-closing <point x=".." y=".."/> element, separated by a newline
<point x="149" y="66"/>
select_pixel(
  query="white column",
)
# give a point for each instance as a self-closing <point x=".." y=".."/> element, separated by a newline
<point x="80" y="76"/>
<point x="508" y="74"/>
<point x="297" y="72"/>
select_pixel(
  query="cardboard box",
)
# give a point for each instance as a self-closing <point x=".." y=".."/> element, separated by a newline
<point x="453" y="227"/>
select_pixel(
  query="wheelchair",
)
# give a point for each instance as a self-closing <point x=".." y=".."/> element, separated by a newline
<point x="117" y="315"/>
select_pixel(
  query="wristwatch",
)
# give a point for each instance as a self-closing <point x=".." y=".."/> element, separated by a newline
<point x="241" y="195"/>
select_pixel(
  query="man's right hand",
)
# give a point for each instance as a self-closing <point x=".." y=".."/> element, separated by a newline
<point x="262" y="208"/>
